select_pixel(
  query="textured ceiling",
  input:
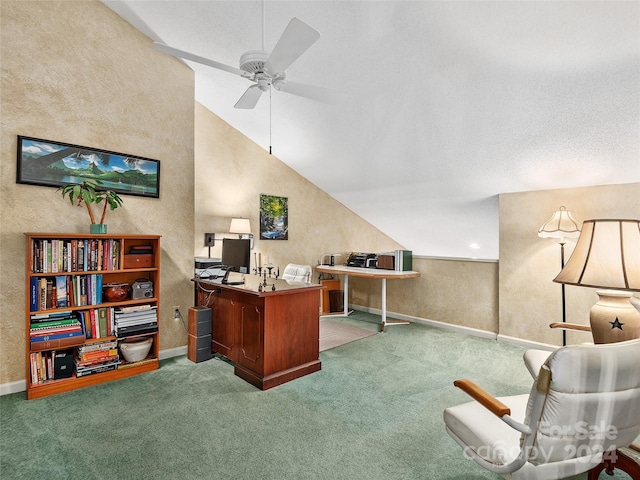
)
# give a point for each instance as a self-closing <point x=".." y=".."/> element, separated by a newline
<point x="448" y="103"/>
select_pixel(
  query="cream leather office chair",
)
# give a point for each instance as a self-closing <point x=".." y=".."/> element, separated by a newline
<point x="297" y="274"/>
<point x="585" y="401"/>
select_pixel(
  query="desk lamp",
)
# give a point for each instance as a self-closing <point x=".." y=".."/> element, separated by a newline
<point x="561" y="225"/>
<point x="607" y="256"/>
<point x="242" y="227"/>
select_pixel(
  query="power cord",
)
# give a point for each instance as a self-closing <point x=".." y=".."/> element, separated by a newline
<point x="177" y="314"/>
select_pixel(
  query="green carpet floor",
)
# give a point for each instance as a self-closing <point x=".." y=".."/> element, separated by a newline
<point x="373" y="412"/>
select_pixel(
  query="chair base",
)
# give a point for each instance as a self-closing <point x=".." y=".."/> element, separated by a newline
<point x="622" y="461"/>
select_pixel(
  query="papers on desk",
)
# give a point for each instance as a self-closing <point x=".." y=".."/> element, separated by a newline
<point x="211" y="273"/>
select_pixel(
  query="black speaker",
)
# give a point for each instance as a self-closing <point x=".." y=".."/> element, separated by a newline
<point x="199" y="321"/>
<point x="199" y="341"/>
<point x="199" y="348"/>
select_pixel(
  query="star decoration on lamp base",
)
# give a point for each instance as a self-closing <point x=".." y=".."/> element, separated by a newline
<point x="616" y="324"/>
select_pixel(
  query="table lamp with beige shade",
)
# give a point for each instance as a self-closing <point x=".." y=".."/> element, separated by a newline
<point x="607" y="257"/>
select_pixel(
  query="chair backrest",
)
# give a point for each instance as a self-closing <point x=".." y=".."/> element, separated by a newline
<point x="297" y="274"/>
<point x="586" y="400"/>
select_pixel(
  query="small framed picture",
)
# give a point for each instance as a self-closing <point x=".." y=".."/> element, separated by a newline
<point x="274" y="218"/>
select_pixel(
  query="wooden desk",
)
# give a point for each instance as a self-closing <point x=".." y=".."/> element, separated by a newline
<point x="271" y="336"/>
<point x="369" y="273"/>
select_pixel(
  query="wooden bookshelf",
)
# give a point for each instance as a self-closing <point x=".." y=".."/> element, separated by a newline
<point x="66" y="276"/>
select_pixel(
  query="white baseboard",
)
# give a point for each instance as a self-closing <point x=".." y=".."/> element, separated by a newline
<point x="21" y="385"/>
<point x="526" y="343"/>
<point x="460" y="329"/>
<point x="173" y="352"/>
<point x="13" y="387"/>
<point x="431" y="323"/>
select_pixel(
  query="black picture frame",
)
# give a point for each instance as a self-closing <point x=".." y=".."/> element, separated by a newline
<point x="54" y="164"/>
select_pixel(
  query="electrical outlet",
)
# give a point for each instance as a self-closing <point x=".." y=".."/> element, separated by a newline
<point x="209" y="239"/>
<point x="176" y="311"/>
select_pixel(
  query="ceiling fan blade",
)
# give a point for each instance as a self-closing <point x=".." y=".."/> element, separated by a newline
<point x="196" y="58"/>
<point x="295" y="40"/>
<point x="320" y="94"/>
<point x="249" y="98"/>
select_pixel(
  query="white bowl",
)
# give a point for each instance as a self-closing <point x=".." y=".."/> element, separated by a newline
<point x="136" y="351"/>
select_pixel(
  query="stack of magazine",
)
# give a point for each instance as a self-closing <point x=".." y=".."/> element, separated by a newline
<point x="135" y="320"/>
<point x="96" y="357"/>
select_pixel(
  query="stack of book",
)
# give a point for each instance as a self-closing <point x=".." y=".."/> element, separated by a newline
<point x="55" y="330"/>
<point x="97" y="357"/>
<point x="403" y="260"/>
<point x="135" y="320"/>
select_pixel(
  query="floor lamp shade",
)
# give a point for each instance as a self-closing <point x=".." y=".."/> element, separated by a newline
<point x="607" y="256"/>
<point x="560" y="225"/>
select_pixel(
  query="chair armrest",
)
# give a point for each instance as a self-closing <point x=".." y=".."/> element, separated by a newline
<point x="570" y="326"/>
<point x="483" y="397"/>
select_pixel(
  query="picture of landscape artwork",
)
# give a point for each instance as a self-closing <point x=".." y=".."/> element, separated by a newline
<point x="54" y="164"/>
<point x="274" y="217"/>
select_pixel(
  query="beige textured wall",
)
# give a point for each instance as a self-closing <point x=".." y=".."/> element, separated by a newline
<point x="529" y="300"/>
<point x="232" y="172"/>
<point x="76" y="72"/>
<point x="454" y="291"/>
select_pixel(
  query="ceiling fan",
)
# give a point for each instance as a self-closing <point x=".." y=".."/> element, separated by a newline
<point x="268" y="69"/>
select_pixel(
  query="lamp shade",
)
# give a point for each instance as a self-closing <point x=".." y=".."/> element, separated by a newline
<point x="560" y="225"/>
<point x="607" y="255"/>
<point x="240" y="225"/>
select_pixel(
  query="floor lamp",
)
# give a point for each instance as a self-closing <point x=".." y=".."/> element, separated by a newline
<point x="607" y="257"/>
<point x="561" y="225"/>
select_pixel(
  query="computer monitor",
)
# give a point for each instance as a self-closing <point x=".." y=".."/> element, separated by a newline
<point x="236" y="254"/>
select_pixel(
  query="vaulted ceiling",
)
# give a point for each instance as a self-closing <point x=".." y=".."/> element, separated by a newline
<point x="447" y="104"/>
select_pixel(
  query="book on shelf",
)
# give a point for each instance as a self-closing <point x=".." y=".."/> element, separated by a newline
<point x="136" y="308"/>
<point x="136" y="329"/>
<point x="97" y="346"/>
<point x="96" y="361"/>
<point x="33" y="294"/>
<point x="52" y="333"/>
<point x="135" y="316"/>
<point x="56" y="343"/>
<point x="45" y="317"/>
<point x="136" y="321"/>
<point x="48" y="324"/>
<point x="84" y="371"/>
<point x="61" y="291"/>
<point x="56" y="336"/>
<point x="94" y="355"/>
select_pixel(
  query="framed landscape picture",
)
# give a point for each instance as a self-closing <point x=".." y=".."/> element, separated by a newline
<point x="274" y="218"/>
<point x="54" y="164"/>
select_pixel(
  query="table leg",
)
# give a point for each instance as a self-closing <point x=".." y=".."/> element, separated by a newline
<point x="384" y="303"/>
<point x="384" y="309"/>
<point x="346" y="295"/>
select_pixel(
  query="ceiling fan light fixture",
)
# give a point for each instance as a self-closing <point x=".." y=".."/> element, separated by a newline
<point x="253" y="61"/>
